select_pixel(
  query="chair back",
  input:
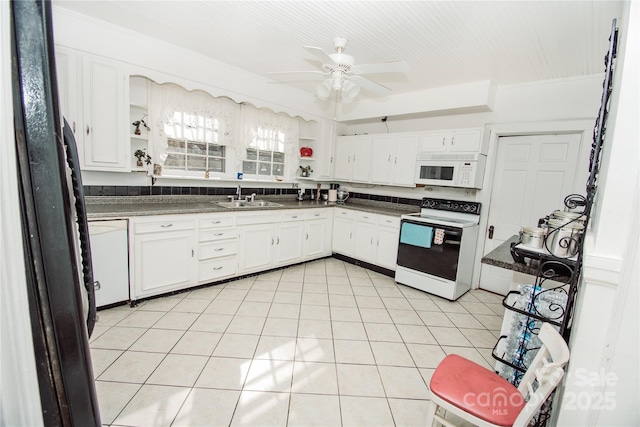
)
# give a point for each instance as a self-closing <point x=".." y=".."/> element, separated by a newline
<point x="548" y="373"/>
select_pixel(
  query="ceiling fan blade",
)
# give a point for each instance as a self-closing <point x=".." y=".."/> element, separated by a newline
<point x="320" y="54"/>
<point x="373" y="87"/>
<point x="298" y="72"/>
<point x="383" y="67"/>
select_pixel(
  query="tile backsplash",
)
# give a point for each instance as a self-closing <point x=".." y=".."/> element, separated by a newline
<point x="126" y="190"/>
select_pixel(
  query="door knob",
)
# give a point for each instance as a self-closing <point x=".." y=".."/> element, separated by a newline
<point x="491" y="228"/>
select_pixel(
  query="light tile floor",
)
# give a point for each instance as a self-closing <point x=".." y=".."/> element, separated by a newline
<point x="324" y="343"/>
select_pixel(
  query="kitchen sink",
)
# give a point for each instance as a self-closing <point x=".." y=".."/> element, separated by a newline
<point x="249" y="204"/>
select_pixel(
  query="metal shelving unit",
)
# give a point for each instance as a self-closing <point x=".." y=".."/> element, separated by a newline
<point x="552" y="297"/>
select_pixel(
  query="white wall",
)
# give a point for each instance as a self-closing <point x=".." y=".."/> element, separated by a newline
<point x="604" y="341"/>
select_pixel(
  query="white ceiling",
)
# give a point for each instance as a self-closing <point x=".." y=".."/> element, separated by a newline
<point x="444" y="42"/>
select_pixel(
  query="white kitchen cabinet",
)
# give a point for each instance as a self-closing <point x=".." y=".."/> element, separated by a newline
<point x="93" y="97"/>
<point x="344" y="222"/>
<point x="343" y="163"/>
<point x="387" y="241"/>
<point x="317" y="239"/>
<point x="452" y="140"/>
<point x="217" y="248"/>
<point x="163" y="255"/>
<point x="289" y="235"/>
<point x="268" y="239"/>
<point x="256" y="247"/>
<point x="352" y="158"/>
<point x="320" y="137"/>
<point x="366" y="237"/>
<point x="394" y="159"/>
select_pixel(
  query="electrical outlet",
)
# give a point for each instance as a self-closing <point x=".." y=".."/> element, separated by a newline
<point x="294" y="185"/>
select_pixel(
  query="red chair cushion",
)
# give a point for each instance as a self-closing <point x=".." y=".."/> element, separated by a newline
<point x="476" y="390"/>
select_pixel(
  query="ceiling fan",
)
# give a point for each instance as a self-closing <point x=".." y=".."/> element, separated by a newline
<point x="345" y="77"/>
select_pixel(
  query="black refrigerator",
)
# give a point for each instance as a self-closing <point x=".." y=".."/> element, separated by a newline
<point x="59" y="282"/>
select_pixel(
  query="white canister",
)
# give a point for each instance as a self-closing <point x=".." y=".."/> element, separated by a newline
<point x="333" y="195"/>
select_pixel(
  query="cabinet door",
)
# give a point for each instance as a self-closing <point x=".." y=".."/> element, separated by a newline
<point x="289" y="241"/>
<point x="366" y="242"/>
<point x="387" y="247"/>
<point x="163" y="262"/>
<point x="362" y="158"/>
<point x="105" y="131"/>
<point x="68" y="90"/>
<point x="257" y="243"/>
<point x="382" y="148"/>
<point x="433" y="141"/>
<point x="315" y="239"/>
<point x="343" y="158"/>
<point x="325" y="148"/>
<point x="404" y="161"/>
<point x="466" y="140"/>
<point x="343" y="236"/>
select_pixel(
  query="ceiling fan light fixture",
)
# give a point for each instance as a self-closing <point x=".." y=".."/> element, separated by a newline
<point x="323" y="90"/>
<point x="349" y="91"/>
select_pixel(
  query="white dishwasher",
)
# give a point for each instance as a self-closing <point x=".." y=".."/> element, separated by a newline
<point x="110" y="258"/>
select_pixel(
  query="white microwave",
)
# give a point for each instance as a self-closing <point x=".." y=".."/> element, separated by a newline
<point x="464" y="170"/>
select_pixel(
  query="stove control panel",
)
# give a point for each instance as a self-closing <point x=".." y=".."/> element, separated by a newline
<point x="451" y="205"/>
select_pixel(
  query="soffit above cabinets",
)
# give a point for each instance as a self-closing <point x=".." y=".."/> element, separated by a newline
<point x="445" y="43"/>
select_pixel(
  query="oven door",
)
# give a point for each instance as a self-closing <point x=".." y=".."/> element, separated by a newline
<point x="429" y="248"/>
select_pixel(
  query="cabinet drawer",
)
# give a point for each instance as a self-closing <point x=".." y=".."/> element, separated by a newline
<point x="217" y="249"/>
<point x="217" y="234"/>
<point x="345" y="213"/>
<point x="366" y="217"/>
<point x="217" y="268"/>
<point x="215" y="222"/>
<point x="293" y="216"/>
<point x="160" y="226"/>
<point x="389" y="221"/>
<point x="317" y="214"/>
<point x="257" y="218"/>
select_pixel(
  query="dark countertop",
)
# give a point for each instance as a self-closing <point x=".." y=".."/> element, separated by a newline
<point x="501" y="257"/>
<point x="104" y="207"/>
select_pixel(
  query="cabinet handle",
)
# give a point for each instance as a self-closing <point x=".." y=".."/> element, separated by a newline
<point x="443" y="138"/>
<point x="219" y="249"/>
<point x="331" y="161"/>
<point x="354" y="158"/>
<point x="307" y="238"/>
<point x="350" y="235"/>
<point x="218" y="234"/>
<point x="453" y="139"/>
<point x="272" y="241"/>
<point x="372" y="241"/>
<point x="216" y="222"/>
<point x="294" y="216"/>
<point x="278" y="242"/>
<point x="396" y="162"/>
<point x="166" y="225"/>
<point x="389" y="158"/>
<point x="74" y="127"/>
<point x="348" y="159"/>
<point x="378" y="244"/>
<point x="317" y="214"/>
<point x="217" y="268"/>
<point x="192" y="253"/>
<point x="88" y="129"/>
<point x="365" y="217"/>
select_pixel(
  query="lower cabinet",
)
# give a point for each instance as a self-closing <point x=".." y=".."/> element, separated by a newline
<point x="368" y="237"/>
<point x="217" y="248"/>
<point x="277" y="239"/>
<point x="163" y="256"/>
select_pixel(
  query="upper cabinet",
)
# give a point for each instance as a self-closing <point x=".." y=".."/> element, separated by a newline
<point x="394" y="158"/>
<point x="352" y="158"/>
<point x="452" y="141"/>
<point x="93" y="97"/>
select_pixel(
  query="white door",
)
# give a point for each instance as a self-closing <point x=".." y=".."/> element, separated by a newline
<point x="533" y="175"/>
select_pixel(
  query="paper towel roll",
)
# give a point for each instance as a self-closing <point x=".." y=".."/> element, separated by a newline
<point x="333" y="195"/>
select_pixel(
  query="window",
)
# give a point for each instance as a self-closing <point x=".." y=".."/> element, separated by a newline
<point x="193" y="144"/>
<point x="265" y="155"/>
